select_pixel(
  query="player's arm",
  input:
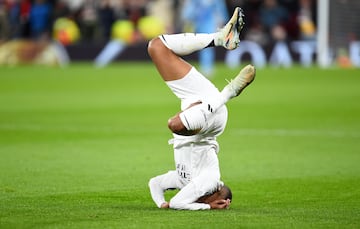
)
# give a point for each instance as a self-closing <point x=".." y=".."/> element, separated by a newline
<point x="159" y="184"/>
<point x="156" y="191"/>
<point x="215" y="204"/>
<point x="217" y="200"/>
<point x="220" y="204"/>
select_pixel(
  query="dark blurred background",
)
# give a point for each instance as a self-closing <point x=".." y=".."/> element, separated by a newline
<point x="84" y="27"/>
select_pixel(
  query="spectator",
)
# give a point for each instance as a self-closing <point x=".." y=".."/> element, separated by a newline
<point x="107" y="18"/>
<point x="306" y="20"/>
<point x="88" y="20"/>
<point x="254" y="30"/>
<point x="205" y="16"/>
<point x="18" y="18"/>
<point x="3" y="21"/>
<point x="164" y="10"/>
<point x="274" y="17"/>
<point x="61" y="9"/>
<point x="40" y="15"/>
<point x="291" y="24"/>
<point x="25" y="7"/>
<point x="13" y="9"/>
<point x="135" y="9"/>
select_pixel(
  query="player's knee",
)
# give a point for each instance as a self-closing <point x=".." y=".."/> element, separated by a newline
<point x="154" y="45"/>
<point x="150" y="46"/>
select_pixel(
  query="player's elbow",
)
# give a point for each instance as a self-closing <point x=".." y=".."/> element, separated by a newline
<point x="151" y="182"/>
<point x="154" y="184"/>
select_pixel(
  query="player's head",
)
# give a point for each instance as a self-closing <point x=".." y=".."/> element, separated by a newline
<point x="223" y="193"/>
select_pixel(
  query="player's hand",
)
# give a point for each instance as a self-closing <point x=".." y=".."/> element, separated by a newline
<point x="164" y="205"/>
<point x="220" y="204"/>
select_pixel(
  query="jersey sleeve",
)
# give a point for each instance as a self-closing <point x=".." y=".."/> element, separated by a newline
<point x="159" y="184"/>
<point x="186" y="198"/>
<point x="191" y="206"/>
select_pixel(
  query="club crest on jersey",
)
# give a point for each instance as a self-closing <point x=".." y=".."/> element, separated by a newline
<point x="181" y="170"/>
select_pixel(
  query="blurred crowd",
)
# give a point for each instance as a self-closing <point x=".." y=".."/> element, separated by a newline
<point x="266" y="20"/>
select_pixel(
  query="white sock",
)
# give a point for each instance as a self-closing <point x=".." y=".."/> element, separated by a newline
<point x="186" y="43"/>
<point x="227" y="93"/>
<point x="212" y="104"/>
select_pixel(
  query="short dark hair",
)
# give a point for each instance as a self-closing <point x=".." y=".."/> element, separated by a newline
<point x="226" y="192"/>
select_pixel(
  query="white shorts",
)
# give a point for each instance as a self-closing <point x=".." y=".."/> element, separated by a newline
<point x="192" y="88"/>
<point x="195" y="87"/>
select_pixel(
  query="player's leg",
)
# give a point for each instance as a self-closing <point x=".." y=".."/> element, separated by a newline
<point x="245" y="77"/>
<point x="165" y="52"/>
<point x="166" y="49"/>
<point x="169" y="65"/>
<point x="191" y="121"/>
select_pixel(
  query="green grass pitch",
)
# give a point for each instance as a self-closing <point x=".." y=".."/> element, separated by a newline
<point x="78" y="146"/>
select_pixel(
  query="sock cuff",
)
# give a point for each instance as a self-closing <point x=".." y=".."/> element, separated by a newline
<point x="163" y="40"/>
<point x="187" y="43"/>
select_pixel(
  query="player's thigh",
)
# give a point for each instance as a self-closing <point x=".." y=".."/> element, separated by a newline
<point x="169" y="65"/>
